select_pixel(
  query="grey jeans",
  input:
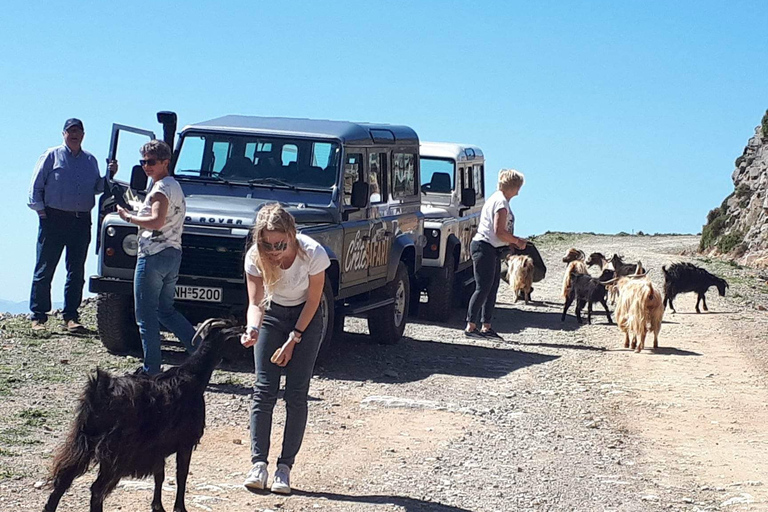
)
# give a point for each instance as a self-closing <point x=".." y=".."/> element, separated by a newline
<point x="278" y="322"/>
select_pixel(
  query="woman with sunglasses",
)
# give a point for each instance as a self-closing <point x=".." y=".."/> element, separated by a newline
<point x="285" y="275"/>
<point x="160" y="220"/>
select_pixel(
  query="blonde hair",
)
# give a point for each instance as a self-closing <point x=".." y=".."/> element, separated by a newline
<point x="510" y="179"/>
<point x="272" y="217"/>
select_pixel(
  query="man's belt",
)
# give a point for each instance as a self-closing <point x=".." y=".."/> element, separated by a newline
<point x="66" y="213"/>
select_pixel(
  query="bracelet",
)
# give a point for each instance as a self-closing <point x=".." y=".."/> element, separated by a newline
<point x="252" y="328"/>
<point x="298" y="330"/>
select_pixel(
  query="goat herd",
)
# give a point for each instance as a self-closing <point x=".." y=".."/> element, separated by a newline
<point x="639" y="306"/>
<point x="130" y="424"/>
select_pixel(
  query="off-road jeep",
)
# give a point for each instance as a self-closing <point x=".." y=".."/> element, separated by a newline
<point x="452" y="185"/>
<point x="353" y="187"/>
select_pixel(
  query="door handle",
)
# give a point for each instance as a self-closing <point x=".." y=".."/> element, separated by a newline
<point x="365" y="238"/>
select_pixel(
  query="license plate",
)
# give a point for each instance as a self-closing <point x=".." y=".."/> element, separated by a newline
<point x="198" y="293"/>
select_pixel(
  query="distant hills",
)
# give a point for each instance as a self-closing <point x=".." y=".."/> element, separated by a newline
<point x="15" y="308"/>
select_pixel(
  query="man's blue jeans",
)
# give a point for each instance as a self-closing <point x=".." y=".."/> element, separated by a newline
<point x="153" y="288"/>
<point x="59" y="231"/>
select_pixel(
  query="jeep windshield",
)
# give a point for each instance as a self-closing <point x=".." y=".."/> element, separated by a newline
<point x="253" y="160"/>
<point x="436" y="175"/>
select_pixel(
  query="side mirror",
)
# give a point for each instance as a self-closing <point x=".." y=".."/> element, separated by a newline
<point x="468" y="198"/>
<point x="138" y="178"/>
<point x="359" y="194"/>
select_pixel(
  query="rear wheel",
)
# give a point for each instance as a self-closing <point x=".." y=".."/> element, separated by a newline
<point x="440" y="291"/>
<point x="386" y="324"/>
<point x="327" y="313"/>
<point x="116" y="323"/>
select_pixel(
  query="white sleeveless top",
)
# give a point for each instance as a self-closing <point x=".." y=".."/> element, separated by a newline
<point x="485" y="231"/>
<point x="153" y="241"/>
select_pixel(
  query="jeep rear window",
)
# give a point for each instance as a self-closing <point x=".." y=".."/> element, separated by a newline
<point x="242" y="158"/>
<point x="437" y="175"/>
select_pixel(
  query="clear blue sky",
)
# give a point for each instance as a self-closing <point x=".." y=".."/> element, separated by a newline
<point x="624" y="116"/>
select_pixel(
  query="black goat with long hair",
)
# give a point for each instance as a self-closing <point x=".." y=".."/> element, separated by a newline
<point x="686" y="277"/>
<point x="586" y="289"/>
<point x="128" y="425"/>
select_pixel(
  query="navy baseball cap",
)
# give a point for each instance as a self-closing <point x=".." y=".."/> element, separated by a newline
<point x="73" y="122"/>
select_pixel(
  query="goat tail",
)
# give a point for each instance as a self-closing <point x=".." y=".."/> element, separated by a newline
<point x="74" y="455"/>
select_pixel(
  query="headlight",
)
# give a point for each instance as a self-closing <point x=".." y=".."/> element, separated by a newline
<point x="435" y="233"/>
<point x="130" y="244"/>
<point x="111" y="231"/>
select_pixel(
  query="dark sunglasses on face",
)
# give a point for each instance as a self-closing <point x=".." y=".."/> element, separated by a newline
<point x="150" y="162"/>
<point x="276" y="247"/>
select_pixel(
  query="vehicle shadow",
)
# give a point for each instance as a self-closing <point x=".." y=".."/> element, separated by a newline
<point x="401" y="502"/>
<point x="356" y="358"/>
<point x="520" y="320"/>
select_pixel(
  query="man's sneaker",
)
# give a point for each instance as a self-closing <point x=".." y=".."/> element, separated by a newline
<point x="474" y="333"/>
<point x="257" y="477"/>
<point x="37" y="325"/>
<point x="75" y="327"/>
<point x="282" y="482"/>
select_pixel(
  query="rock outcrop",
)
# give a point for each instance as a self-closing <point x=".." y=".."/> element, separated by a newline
<point x="738" y="228"/>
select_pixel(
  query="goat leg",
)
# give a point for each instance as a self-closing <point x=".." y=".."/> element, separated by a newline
<point x="607" y="311"/>
<point x="157" y="497"/>
<point x="106" y="481"/>
<point x="568" y="302"/>
<point x="579" y="307"/>
<point x="589" y="312"/>
<point x="698" y="299"/>
<point x="704" y="302"/>
<point x="626" y="340"/>
<point x="183" y="457"/>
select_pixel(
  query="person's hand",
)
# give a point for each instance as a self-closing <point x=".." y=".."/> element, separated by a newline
<point x="521" y="243"/>
<point x="249" y="338"/>
<point x="42" y="215"/>
<point x="112" y="167"/>
<point x="283" y="355"/>
<point x="123" y="213"/>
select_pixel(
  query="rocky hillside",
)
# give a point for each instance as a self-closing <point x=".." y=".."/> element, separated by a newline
<point x="738" y="228"/>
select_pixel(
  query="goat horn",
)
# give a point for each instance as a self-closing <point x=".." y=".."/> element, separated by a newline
<point x="610" y="281"/>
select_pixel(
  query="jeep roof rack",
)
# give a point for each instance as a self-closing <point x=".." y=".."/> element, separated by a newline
<point x="345" y="131"/>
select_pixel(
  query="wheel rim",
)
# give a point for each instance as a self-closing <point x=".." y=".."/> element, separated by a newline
<point x="399" y="303"/>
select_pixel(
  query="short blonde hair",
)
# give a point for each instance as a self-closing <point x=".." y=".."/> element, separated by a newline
<point x="510" y="179"/>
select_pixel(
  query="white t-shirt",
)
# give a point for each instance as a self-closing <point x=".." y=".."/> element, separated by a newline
<point x="153" y="241"/>
<point x="485" y="231"/>
<point x="293" y="287"/>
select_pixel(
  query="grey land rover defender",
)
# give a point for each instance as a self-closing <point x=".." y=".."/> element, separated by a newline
<point x="353" y="187"/>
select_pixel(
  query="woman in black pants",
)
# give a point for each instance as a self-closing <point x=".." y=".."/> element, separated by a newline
<point x="495" y="235"/>
<point x="285" y="275"/>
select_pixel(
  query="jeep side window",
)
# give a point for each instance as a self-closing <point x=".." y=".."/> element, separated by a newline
<point x="436" y="175"/>
<point x="403" y="175"/>
<point x="220" y="155"/>
<point x="353" y="171"/>
<point x="377" y="171"/>
<point x="478" y="181"/>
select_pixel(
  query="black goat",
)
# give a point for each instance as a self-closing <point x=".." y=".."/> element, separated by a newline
<point x="586" y="289"/>
<point x="616" y="263"/>
<point x="686" y="277"/>
<point x="128" y="425"/>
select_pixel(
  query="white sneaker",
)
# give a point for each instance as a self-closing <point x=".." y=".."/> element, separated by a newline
<point x="282" y="481"/>
<point x="257" y="477"/>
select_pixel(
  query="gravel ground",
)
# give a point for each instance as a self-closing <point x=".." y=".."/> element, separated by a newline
<point x="556" y="417"/>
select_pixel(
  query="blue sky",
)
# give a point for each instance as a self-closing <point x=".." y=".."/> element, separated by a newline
<point x="624" y="116"/>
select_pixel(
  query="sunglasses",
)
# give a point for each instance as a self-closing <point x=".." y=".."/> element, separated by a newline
<point x="276" y="247"/>
<point x="149" y="162"/>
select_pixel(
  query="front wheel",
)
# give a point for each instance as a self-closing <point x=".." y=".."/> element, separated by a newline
<point x="386" y="324"/>
<point x="116" y="323"/>
<point x="327" y="313"/>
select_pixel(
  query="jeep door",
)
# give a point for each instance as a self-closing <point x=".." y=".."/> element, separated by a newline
<point x="470" y="175"/>
<point x="382" y="227"/>
<point x="356" y="224"/>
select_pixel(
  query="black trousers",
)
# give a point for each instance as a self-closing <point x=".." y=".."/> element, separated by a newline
<point x="486" y="263"/>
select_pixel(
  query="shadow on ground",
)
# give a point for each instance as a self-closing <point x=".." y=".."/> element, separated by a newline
<point x="403" y="502"/>
<point x="356" y="358"/>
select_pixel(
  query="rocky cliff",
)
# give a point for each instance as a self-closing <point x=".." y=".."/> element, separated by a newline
<point x="738" y="228"/>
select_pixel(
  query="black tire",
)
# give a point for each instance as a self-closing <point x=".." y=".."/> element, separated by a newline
<point x="116" y="323"/>
<point x="329" y="330"/>
<point x="440" y="291"/>
<point x="386" y="324"/>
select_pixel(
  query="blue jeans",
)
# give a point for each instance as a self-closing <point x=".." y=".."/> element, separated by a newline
<point x="58" y="231"/>
<point x="277" y="323"/>
<point x="153" y="287"/>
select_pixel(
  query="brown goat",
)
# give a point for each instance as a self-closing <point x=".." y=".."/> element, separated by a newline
<point x="639" y="311"/>
<point x="520" y="275"/>
<point x="575" y="260"/>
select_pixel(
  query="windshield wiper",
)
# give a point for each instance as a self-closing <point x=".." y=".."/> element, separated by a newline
<point x="272" y="181"/>
<point x="209" y="177"/>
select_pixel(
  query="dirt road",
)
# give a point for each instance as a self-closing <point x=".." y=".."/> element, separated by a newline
<point x="557" y="417"/>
